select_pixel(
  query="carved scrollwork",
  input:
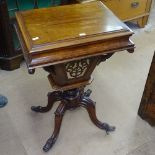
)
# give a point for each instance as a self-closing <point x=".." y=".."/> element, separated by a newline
<point x="77" y="68"/>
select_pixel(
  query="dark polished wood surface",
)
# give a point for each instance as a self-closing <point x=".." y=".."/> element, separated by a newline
<point x="147" y="105"/>
<point x="70" y="32"/>
<point x="69" y="42"/>
<point x="10" y="58"/>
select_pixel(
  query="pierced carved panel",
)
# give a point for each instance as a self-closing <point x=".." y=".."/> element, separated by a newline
<point x="76" y="69"/>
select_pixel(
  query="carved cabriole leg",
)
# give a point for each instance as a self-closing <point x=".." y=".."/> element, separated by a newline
<point x="90" y="107"/>
<point x="70" y="99"/>
<point x="58" y="119"/>
<point x="52" y="98"/>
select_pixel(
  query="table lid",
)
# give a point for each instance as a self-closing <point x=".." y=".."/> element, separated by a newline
<point x="56" y="27"/>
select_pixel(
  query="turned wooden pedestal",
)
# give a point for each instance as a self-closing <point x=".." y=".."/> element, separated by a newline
<point x="69" y="42"/>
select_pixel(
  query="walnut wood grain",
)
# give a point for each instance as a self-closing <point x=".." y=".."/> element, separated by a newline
<point x="71" y="32"/>
<point x="72" y="41"/>
<point x="147" y="105"/>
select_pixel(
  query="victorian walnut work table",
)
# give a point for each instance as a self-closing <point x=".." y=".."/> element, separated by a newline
<point x="68" y="42"/>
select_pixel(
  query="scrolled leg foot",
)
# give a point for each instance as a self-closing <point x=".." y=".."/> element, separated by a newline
<point x="36" y="108"/>
<point x="108" y="128"/>
<point x="58" y="120"/>
<point x="90" y="107"/>
<point x="52" y="98"/>
<point x="50" y="142"/>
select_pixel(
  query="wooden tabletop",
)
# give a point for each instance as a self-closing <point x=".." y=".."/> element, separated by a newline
<point x="50" y="32"/>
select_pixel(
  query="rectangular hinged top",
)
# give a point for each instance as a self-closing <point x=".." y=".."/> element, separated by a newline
<point x="47" y="34"/>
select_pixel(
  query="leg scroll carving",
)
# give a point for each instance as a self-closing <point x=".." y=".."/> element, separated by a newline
<point x="70" y="99"/>
<point x="90" y="107"/>
<point x="52" y="98"/>
<point x="58" y="119"/>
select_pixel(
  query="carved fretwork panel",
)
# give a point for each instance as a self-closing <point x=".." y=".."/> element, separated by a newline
<point x="76" y="69"/>
<point x="73" y="71"/>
